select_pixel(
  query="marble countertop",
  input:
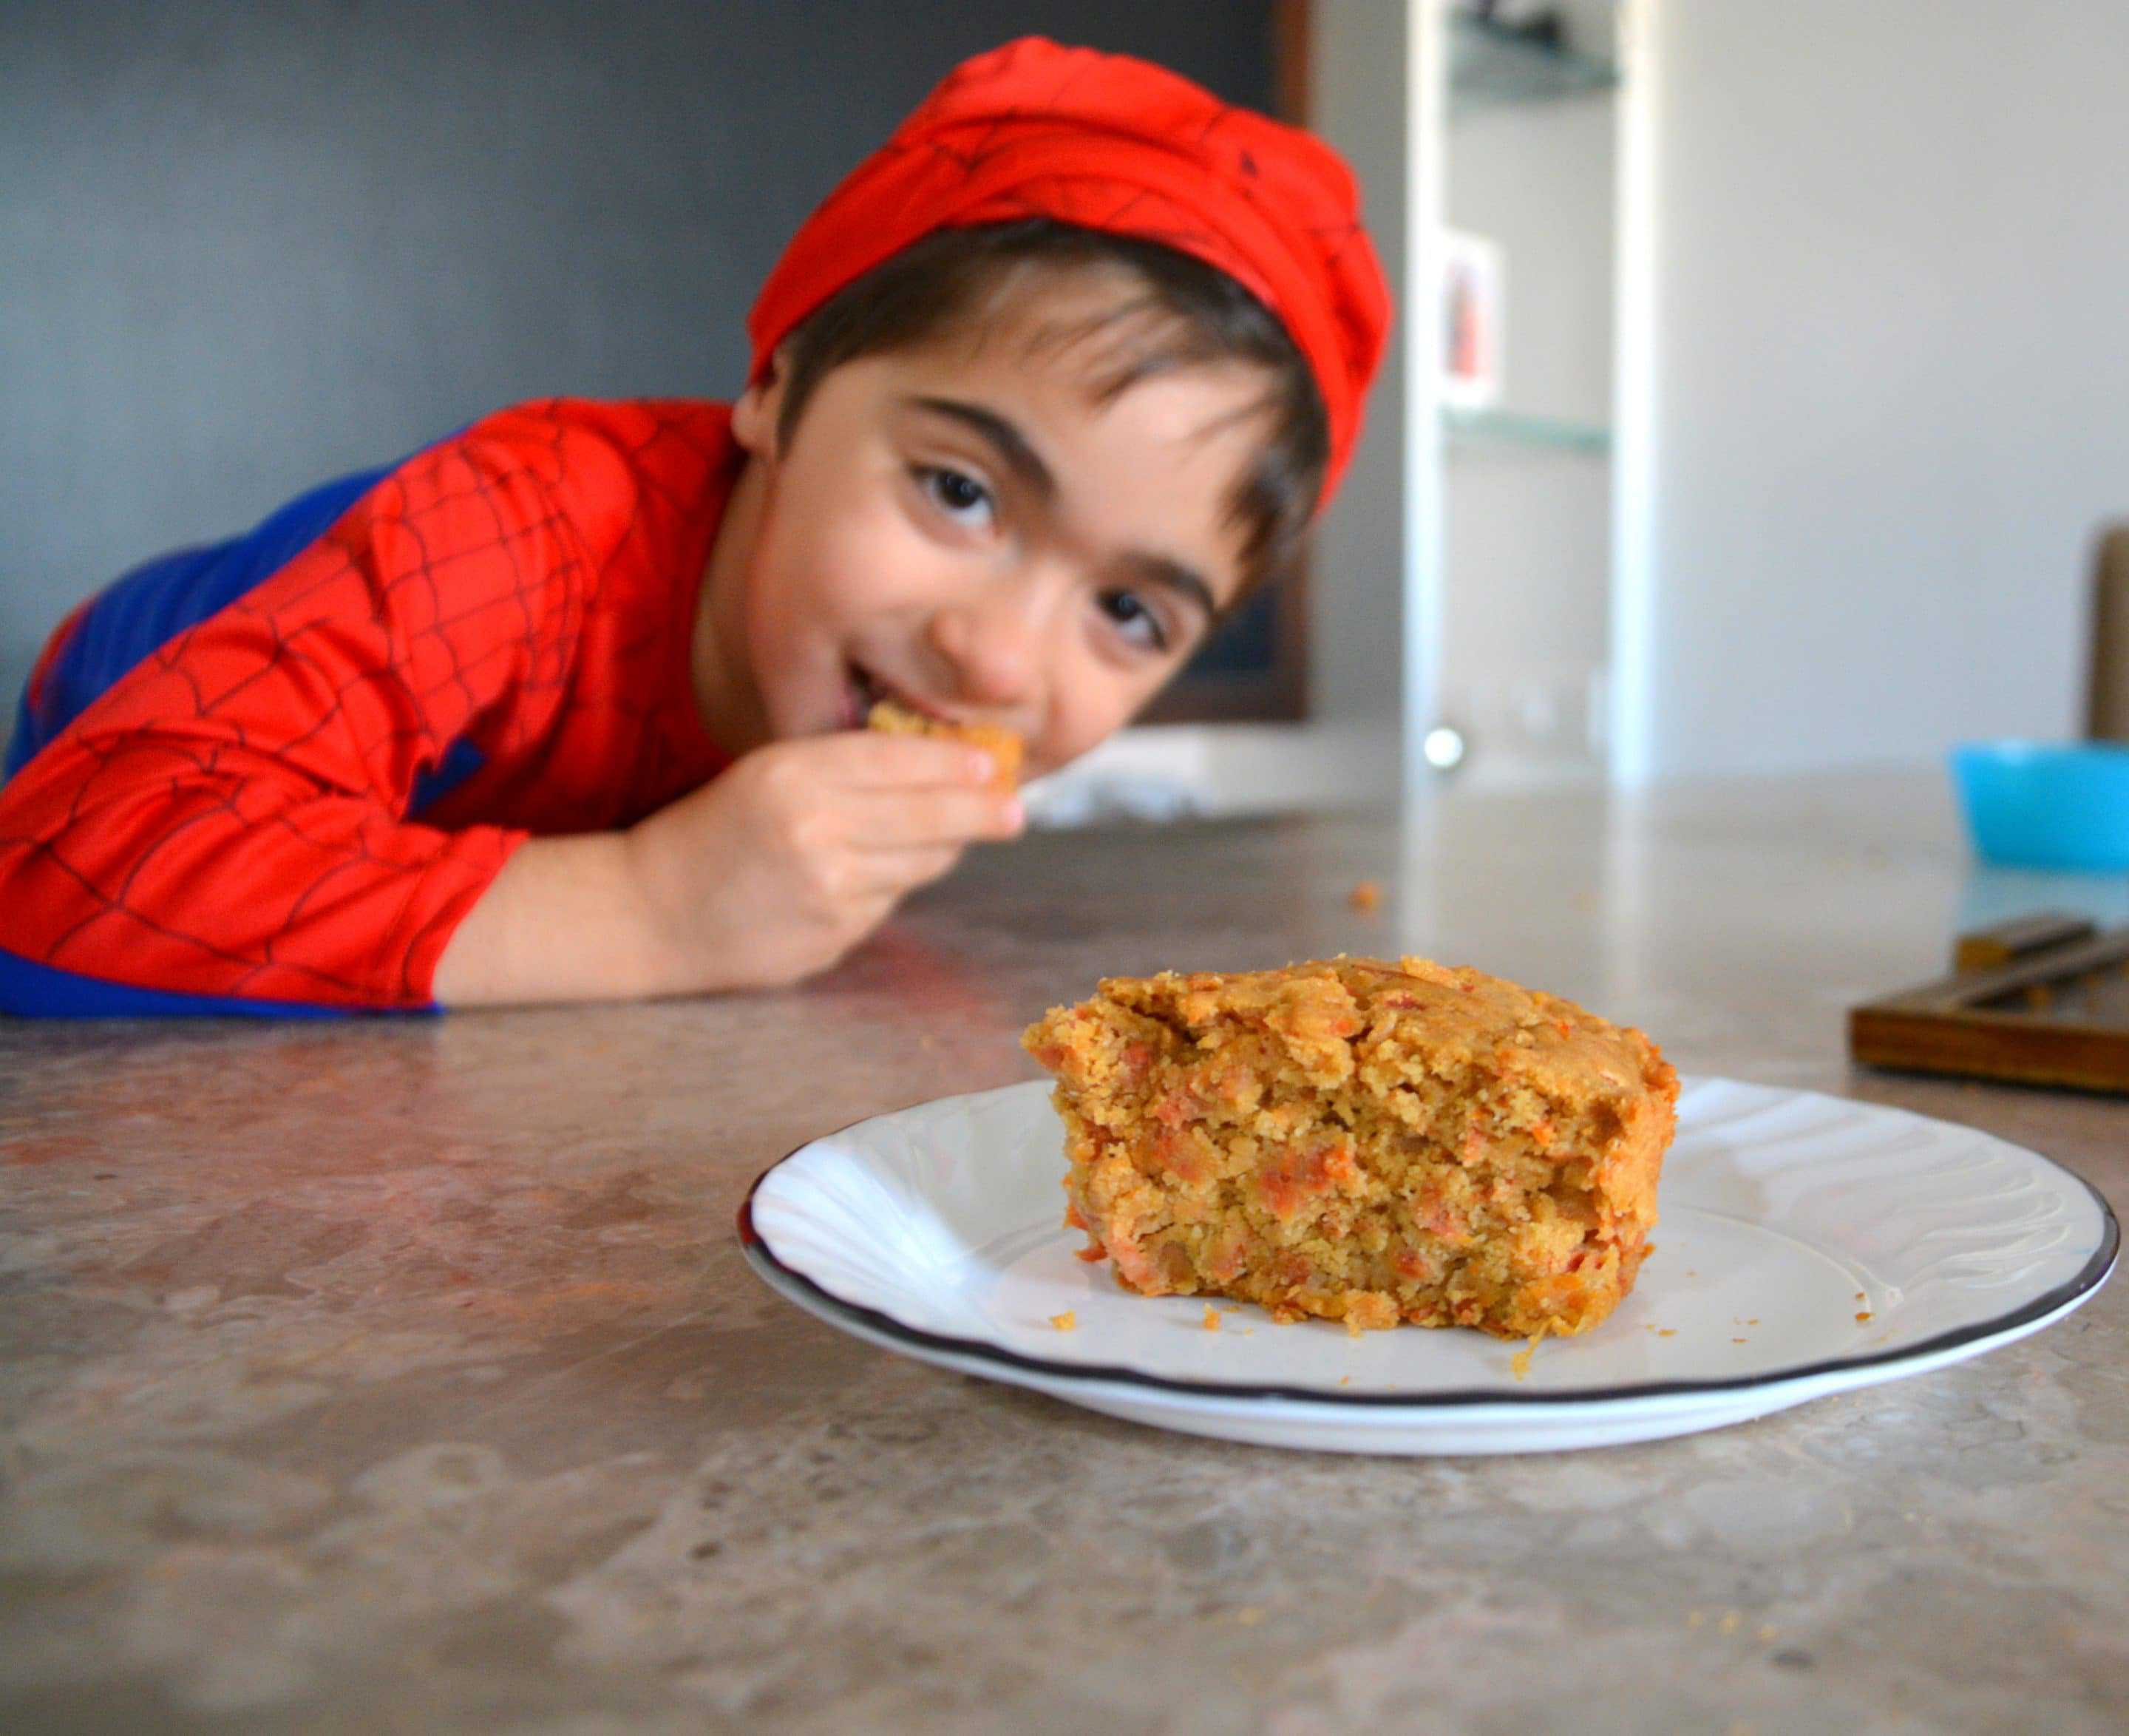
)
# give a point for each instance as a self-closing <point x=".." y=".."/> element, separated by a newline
<point x="405" y="1374"/>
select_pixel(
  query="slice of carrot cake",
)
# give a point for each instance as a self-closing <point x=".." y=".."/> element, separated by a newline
<point x="1362" y="1141"/>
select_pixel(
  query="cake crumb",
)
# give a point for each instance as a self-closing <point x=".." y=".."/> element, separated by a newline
<point x="1730" y="1622"/>
<point x="1862" y="1317"/>
<point x="1519" y="1364"/>
<point x="1212" y="1322"/>
<point x="1366" y="897"/>
<point x="1768" y="1634"/>
<point x="1862" y="1296"/>
<point x="1667" y="1332"/>
<point x="1753" y="1322"/>
<point x="1345" y="1379"/>
<point x="1740" y="1341"/>
<point x="1694" y="1618"/>
<point x="1068" y="1321"/>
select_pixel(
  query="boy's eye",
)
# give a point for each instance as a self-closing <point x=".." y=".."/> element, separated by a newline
<point x="960" y="497"/>
<point x="1137" y="622"/>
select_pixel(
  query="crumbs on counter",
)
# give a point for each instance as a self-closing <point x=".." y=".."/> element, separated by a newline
<point x="1068" y="1321"/>
<point x="1366" y="897"/>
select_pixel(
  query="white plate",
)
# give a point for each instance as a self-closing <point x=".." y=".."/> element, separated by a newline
<point x="935" y="1231"/>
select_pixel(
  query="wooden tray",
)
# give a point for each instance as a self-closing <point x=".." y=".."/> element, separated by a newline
<point x="2042" y="1000"/>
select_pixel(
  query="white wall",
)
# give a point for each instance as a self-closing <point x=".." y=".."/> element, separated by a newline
<point x="1892" y="392"/>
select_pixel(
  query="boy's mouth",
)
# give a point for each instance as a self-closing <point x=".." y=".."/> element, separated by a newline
<point x="863" y="690"/>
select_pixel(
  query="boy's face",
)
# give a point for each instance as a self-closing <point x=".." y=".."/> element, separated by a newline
<point x="965" y="529"/>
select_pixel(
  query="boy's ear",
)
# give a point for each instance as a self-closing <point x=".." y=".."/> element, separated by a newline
<point x="755" y="411"/>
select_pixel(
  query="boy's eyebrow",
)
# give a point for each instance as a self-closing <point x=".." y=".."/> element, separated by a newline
<point x="1174" y="576"/>
<point x="1007" y="441"/>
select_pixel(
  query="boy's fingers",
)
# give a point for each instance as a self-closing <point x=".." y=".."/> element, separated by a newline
<point x="904" y="819"/>
<point x="898" y="870"/>
<point x="869" y="759"/>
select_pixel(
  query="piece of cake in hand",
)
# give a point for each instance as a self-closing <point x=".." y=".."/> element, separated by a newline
<point x="1362" y="1141"/>
<point x="1004" y="747"/>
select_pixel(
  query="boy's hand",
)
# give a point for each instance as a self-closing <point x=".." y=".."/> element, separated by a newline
<point x="767" y="874"/>
<point x="775" y="870"/>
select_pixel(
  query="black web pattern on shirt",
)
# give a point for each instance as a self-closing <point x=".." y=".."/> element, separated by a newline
<point x="450" y="630"/>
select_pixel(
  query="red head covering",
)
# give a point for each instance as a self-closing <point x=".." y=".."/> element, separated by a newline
<point x="1109" y="143"/>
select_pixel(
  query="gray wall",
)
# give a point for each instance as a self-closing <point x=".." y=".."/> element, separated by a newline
<point x="245" y="245"/>
<point x="1525" y="620"/>
<point x="1360" y="73"/>
<point x="1893" y="371"/>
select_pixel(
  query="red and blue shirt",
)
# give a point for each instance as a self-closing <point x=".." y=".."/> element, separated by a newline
<point x="273" y="774"/>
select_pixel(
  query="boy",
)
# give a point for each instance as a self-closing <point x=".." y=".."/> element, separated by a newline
<point x="569" y="705"/>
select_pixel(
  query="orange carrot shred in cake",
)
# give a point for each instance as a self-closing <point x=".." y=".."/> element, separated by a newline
<point x="1362" y="1141"/>
<point x="1004" y="747"/>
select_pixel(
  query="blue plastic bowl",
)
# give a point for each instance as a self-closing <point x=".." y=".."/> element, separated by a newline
<point x="2041" y="804"/>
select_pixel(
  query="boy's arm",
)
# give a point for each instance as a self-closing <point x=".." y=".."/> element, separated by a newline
<point x="226" y="821"/>
<point x="563" y="921"/>
<point x="768" y="873"/>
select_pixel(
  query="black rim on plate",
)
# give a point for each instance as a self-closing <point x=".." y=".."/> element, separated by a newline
<point x="781" y="1277"/>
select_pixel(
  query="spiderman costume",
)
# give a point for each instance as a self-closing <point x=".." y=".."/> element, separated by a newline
<point x="275" y="774"/>
<point x="272" y="774"/>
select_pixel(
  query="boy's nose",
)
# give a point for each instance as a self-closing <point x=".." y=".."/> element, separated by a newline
<point x="990" y="650"/>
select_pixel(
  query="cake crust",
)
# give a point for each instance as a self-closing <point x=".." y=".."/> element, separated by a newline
<point x="1362" y="1140"/>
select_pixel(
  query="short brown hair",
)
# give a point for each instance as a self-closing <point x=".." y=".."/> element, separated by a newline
<point x="1188" y="314"/>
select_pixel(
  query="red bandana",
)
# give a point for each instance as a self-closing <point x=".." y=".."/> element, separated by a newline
<point x="1109" y="143"/>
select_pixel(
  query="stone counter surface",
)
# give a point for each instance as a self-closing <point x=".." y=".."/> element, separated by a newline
<point x="404" y="1374"/>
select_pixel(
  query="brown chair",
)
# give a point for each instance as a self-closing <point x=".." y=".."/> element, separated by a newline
<point x="2107" y="712"/>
